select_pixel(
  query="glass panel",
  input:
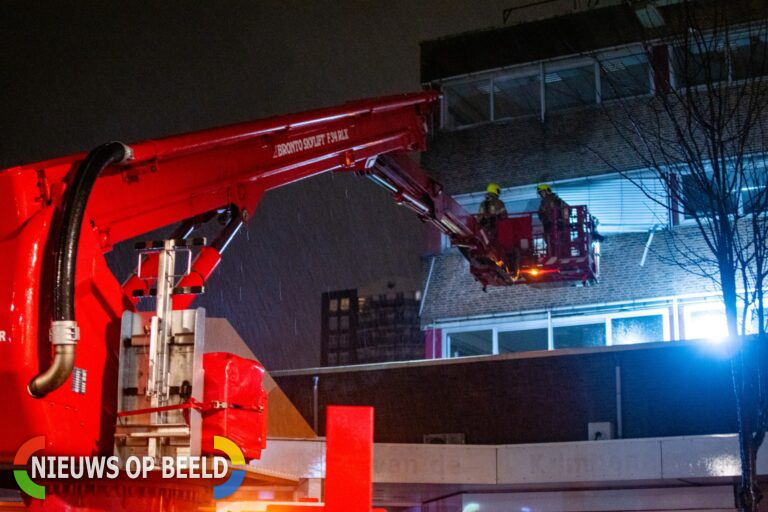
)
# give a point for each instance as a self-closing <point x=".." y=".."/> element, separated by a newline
<point x="333" y="305"/>
<point x="516" y="96"/>
<point x="748" y="56"/>
<point x="473" y="343"/>
<point x="624" y="76"/>
<point x="754" y="197"/>
<point x="468" y="103"/>
<point x="637" y="329"/>
<point x="345" y="304"/>
<point x="705" y="323"/>
<point x="696" y="198"/>
<point x="702" y="62"/>
<point x="570" y="87"/>
<point x="523" y="205"/>
<point x="573" y="336"/>
<point x="333" y="323"/>
<point x="523" y="341"/>
<point x="754" y="200"/>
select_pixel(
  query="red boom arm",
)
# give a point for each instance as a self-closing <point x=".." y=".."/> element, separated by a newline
<point x="159" y="183"/>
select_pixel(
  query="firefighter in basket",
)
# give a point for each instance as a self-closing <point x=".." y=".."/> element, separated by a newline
<point x="555" y="215"/>
<point x="491" y="209"/>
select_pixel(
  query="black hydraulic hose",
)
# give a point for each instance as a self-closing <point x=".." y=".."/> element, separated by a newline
<point x="64" y="331"/>
<point x="73" y="213"/>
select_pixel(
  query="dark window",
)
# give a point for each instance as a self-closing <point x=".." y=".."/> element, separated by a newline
<point x="516" y="96"/>
<point x="700" y="63"/>
<point x="697" y="197"/>
<point x="748" y="56"/>
<point x="468" y="103"/>
<point x="624" y="76"/>
<point x="754" y="196"/>
<point x="523" y="341"/>
<point x="570" y="87"/>
<point x="471" y="343"/>
<point x="575" y="336"/>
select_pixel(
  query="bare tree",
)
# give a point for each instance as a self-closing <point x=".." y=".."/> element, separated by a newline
<point x="702" y="136"/>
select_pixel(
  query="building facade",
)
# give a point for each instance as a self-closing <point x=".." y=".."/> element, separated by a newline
<point x="372" y="324"/>
<point x="538" y="103"/>
<point x="543" y="380"/>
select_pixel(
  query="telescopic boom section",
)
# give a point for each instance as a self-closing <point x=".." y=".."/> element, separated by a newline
<point x="179" y="177"/>
<point x="412" y="187"/>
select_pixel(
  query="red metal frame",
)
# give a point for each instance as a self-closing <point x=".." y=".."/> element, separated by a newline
<point x="566" y="254"/>
<point x="166" y="181"/>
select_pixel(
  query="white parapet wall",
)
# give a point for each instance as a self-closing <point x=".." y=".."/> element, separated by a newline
<point x="700" y="468"/>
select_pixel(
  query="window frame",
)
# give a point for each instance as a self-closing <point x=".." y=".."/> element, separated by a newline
<point x="566" y="65"/>
<point x="444" y="103"/>
<point x="739" y="31"/>
<point x="540" y="69"/>
<point x="471" y="201"/>
<point x="523" y="71"/>
<point x="665" y="322"/>
<point x="628" y="51"/>
<point x="550" y="322"/>
<point x="681" y="218"/>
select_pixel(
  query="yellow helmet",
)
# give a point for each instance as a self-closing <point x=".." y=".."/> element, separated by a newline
<point x="493" y="188"/>
<point x="544" y="186"/>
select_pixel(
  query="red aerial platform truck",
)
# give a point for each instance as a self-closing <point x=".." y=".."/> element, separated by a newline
<point x="81" y="365"/>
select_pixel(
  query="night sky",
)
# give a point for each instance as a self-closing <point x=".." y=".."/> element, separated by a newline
<point x="77" y="74"/>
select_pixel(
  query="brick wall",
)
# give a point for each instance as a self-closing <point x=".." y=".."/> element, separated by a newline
<point x="454" y="294"/>
<point x="569" y="144"/>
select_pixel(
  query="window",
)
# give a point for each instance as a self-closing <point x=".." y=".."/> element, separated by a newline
<point x="754" y="195"/>
<point x="700" y="62"/>
<point x="566" y="83"/>
<point x="705" y="321"/>
<point x="516" y="96"/>
<point x="607" y="75"/>
<point x="569" y="87"/>
<point x="749" y="54"/>
<point x="750" y="198"/>
<point x="523" y="340"/>
<point x="598" y="326"/>
<point x="618" y="204"/>
<point x="726" y="58"/>
<point x="637" y="329"/>
<point x="579" y="336"/>
<point x="624" y="76"/>
<point x="697" y="199"/>
<point x="467" y="103"/>
<point x="470" y="343"/>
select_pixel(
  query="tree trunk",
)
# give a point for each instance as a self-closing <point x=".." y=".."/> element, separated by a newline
<point x="742" y="370"/>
